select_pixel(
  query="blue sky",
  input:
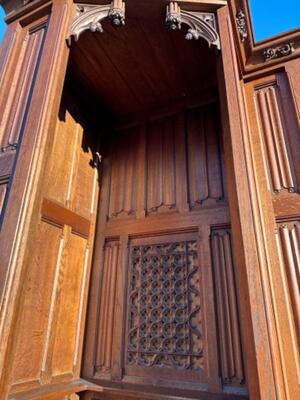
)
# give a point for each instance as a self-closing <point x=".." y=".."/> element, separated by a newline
<point x="270" y="17"/>
<point x="274" y="16"/>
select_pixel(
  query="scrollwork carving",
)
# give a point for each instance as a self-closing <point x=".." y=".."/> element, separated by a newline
<point x="201" y="25"/>
<point x="242" y="25"/>
<point x="89" y="17"/>
<point x="280" y="51"/>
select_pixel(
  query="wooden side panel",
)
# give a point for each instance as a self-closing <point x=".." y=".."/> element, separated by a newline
<point x="18" y="101"/>
<point x="37" y="306"/>
<point x="275" y="140"/>
<point x="231" y="362"/>
<point x="51" y="318"/>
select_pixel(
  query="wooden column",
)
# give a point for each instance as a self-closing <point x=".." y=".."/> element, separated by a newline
<point x="261" y="129"/>
<point x="33" y="62"/>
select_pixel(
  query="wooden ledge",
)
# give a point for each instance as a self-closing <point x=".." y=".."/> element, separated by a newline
<point x="99" y="392"/>
<point x="59" y="215"/>
<point x="52" y="392"/>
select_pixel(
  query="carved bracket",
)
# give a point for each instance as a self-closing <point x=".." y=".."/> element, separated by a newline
<point x="89" y="17"/>
<point x="202" y="25"/>
<point x="280" y="51"/>
<point x="242" y="25"/>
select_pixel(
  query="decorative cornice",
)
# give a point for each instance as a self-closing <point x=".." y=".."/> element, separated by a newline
<point x="242" y="25"/>
<point x="280" y="51"/>
<point x="202" y="25"/>
<point x="89" y="17"/>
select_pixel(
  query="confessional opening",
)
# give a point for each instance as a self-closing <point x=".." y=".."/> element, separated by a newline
<point x="163" y="309"/>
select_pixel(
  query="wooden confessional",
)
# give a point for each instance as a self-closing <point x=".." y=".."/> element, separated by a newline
<point x="149" y="197"/>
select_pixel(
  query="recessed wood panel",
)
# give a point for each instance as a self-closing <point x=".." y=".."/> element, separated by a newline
<point x="68" y="289"/>
<point x="160" y="164"/>
<point x="279" y="134"/>
<point x="205" y="165"/>
<point x="84" y="187"/>
<point x="289" y="247"/>
<point x="37" y="306"/>
<point x="171" y="164"/>
<point x="124" y="169"/>
<point x="22" y="84"/>
<point x="66" y="137"/>
<point x="231" y="360"/>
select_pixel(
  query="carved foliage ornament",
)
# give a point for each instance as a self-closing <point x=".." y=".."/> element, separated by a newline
<point x="202" y="25"/>
<point x="89" y="17"/>
<point x="280" y="51"/>
<point x="242" y="25"/>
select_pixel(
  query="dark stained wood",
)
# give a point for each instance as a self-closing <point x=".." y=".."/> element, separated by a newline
<point x="143" y="159"/>
<point x="162" y="66"/>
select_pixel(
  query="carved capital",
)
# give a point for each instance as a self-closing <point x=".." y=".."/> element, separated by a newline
<point x="89" y="17"/>
<point x="201" y="25"/>
<point x="242" y="25"/>
<point x="280" y="51"/>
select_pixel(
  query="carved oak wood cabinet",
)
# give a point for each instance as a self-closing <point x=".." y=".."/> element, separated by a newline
<point x="149" y="202"/>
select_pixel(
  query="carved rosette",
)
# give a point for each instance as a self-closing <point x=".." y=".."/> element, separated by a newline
<point x="201" y="25"/>
<point x="89" y="17"/>
<point x="280" y="51"/>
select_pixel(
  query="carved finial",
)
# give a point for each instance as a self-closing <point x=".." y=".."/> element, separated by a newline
<point x="89" y="17"/>
<point x="201" y="25"/>
<point x="242" y="25"/>
<point x="173" y="18"/>
<point x="280" y="51"/>
<point x="117" y="13"/>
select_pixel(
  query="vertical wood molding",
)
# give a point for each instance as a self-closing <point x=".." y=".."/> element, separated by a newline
<point x="141" y="166"/>
<point x="107" y="306"/>
<point x="249" y="249"/>
<point x="232" y="370"/>
<point x="204" y="166"/>
<point x="181" y="164"/>
<point x="289" y="247"/>
<point x="275" y="138"/>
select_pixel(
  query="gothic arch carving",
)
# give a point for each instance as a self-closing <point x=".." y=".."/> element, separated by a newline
<point x="89" y="17"/>
<point x="201" y="25"/>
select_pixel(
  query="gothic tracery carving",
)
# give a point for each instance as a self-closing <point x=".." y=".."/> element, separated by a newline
<point x="202" y="25"/>
<point x="164" y="307"/>
<point x="89" y="17"/>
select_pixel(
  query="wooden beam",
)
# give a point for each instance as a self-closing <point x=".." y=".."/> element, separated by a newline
<point x="59" y="215"/>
